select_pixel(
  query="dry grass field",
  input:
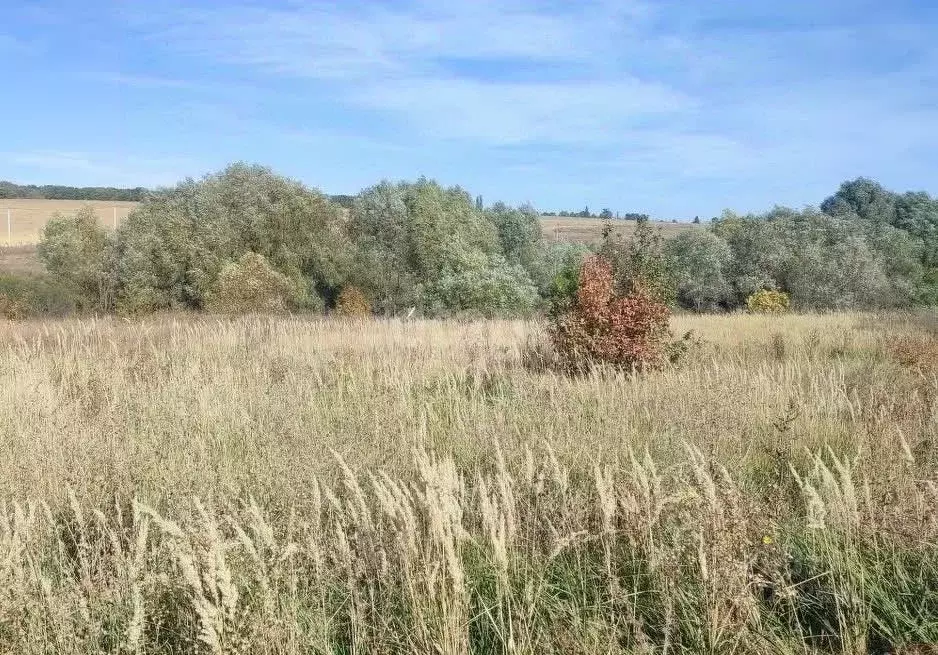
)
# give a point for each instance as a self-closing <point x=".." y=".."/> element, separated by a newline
<point x="589" y="230"/>
<point x="289" y="485"/>
<point x="28" y="217"/>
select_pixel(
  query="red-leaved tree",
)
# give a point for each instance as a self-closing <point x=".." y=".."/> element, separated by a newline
<point x="600" y="327"/>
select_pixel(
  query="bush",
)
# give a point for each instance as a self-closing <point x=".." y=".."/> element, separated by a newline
<point x="37" y="294"/>
<point x="601" y="327"/>
<point x="75" y="249"/>
<point x="13" y="309"/>
<point x="476" y="285"/>
<point x="352" y="303"/>
<point x="768" y="301"/>
<point x="171" y="249"/>
<point x="251" y="286"/>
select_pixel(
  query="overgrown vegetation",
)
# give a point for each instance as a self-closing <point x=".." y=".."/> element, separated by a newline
<point x="418" y="248"/>
<point x="602" y="325"/>
<point x="768" y="301"/>
<point x="280" y="485"/>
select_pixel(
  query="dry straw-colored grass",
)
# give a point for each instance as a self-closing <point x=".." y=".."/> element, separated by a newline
<point x="279" y="485"/>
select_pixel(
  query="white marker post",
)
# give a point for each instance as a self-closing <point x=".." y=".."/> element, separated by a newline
<point x="115" y="218"/>
<point x="9" y="227"/>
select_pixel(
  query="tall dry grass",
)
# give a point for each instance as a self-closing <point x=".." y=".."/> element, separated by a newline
<point x="296" y="486"/>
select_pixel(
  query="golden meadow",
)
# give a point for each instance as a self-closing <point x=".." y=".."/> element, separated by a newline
<point x="291" y="485"/>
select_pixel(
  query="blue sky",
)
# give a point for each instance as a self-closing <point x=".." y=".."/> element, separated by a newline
<point x="676" y="108"/>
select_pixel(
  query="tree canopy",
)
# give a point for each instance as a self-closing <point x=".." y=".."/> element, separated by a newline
<point x="405" y="247"/>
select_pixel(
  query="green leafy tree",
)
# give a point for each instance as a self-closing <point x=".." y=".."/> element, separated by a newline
<point x="422" y="245"/>
<point x="75" y="249"/>
<point x="639" y="261"/>
<point x="697" y="261"/>
<point x="476" y="284"/>
<point x="519" y="232"/>
<point x="171" y="249"/>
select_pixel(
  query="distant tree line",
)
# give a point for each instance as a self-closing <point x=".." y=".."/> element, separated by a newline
<point x="864" y="248"/>
<point x="246" y="237"/>
<point x="9" y="190"/>
<point x="605" y="213"/>
<point x="58" y="192"/>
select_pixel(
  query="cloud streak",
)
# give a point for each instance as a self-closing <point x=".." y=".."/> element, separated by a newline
<point x="675" y="108"/>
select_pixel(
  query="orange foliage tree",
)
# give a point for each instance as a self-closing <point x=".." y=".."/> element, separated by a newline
<point x="627" y="331"/>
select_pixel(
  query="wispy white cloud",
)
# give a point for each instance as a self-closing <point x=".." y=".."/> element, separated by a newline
<point x="95" y="169"/>
<point x="657" y="93"/>
<point x="444" y="69"/>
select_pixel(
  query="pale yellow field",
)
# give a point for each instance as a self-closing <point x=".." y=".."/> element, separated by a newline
<point x="589" y="230"/>
<point x="28" y="217"/>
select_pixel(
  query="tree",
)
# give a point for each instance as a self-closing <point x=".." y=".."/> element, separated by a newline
<point x="172" y="248"/>
<point x="519" y="232"/>
<point x="696" y="220"/>
<point x="865" y="198"/>
<point x="481" y="286"/>
<point x="697" y="260"/>
<point x="586" y="212"/>
<point x="639" y="261"/>
<point x="606" y="214"/>
<point x="757" y="253"/>
<point x="556" y="270"/>
<point x="430" y="247"/>
<point x="75" y="250"/>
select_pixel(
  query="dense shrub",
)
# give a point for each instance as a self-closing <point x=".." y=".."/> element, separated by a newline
<point x="12" y="309"/>
<point x="172" y="248"/>
<point x="557" y="270"/>
<point x="352" y="303"/>
<point x="698" y="261"/>
<point x="476" y="285"/>
<point x="425" y="246"/>
<point x="38" y="294"/>
<point x="627" y="331"/>
<point x="768" y="301"/>
<point x="639" y="261"/>
<point x="251" y="285"/>
<point x="75" y="249"/>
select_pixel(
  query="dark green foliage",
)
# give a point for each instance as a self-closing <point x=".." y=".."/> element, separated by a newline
<point x="914" y="214"/>
<point x="824" y="261"/>
<point x="419" y="247"/>
<point x="342" y="200"/>
<point x="698" y="261"/>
